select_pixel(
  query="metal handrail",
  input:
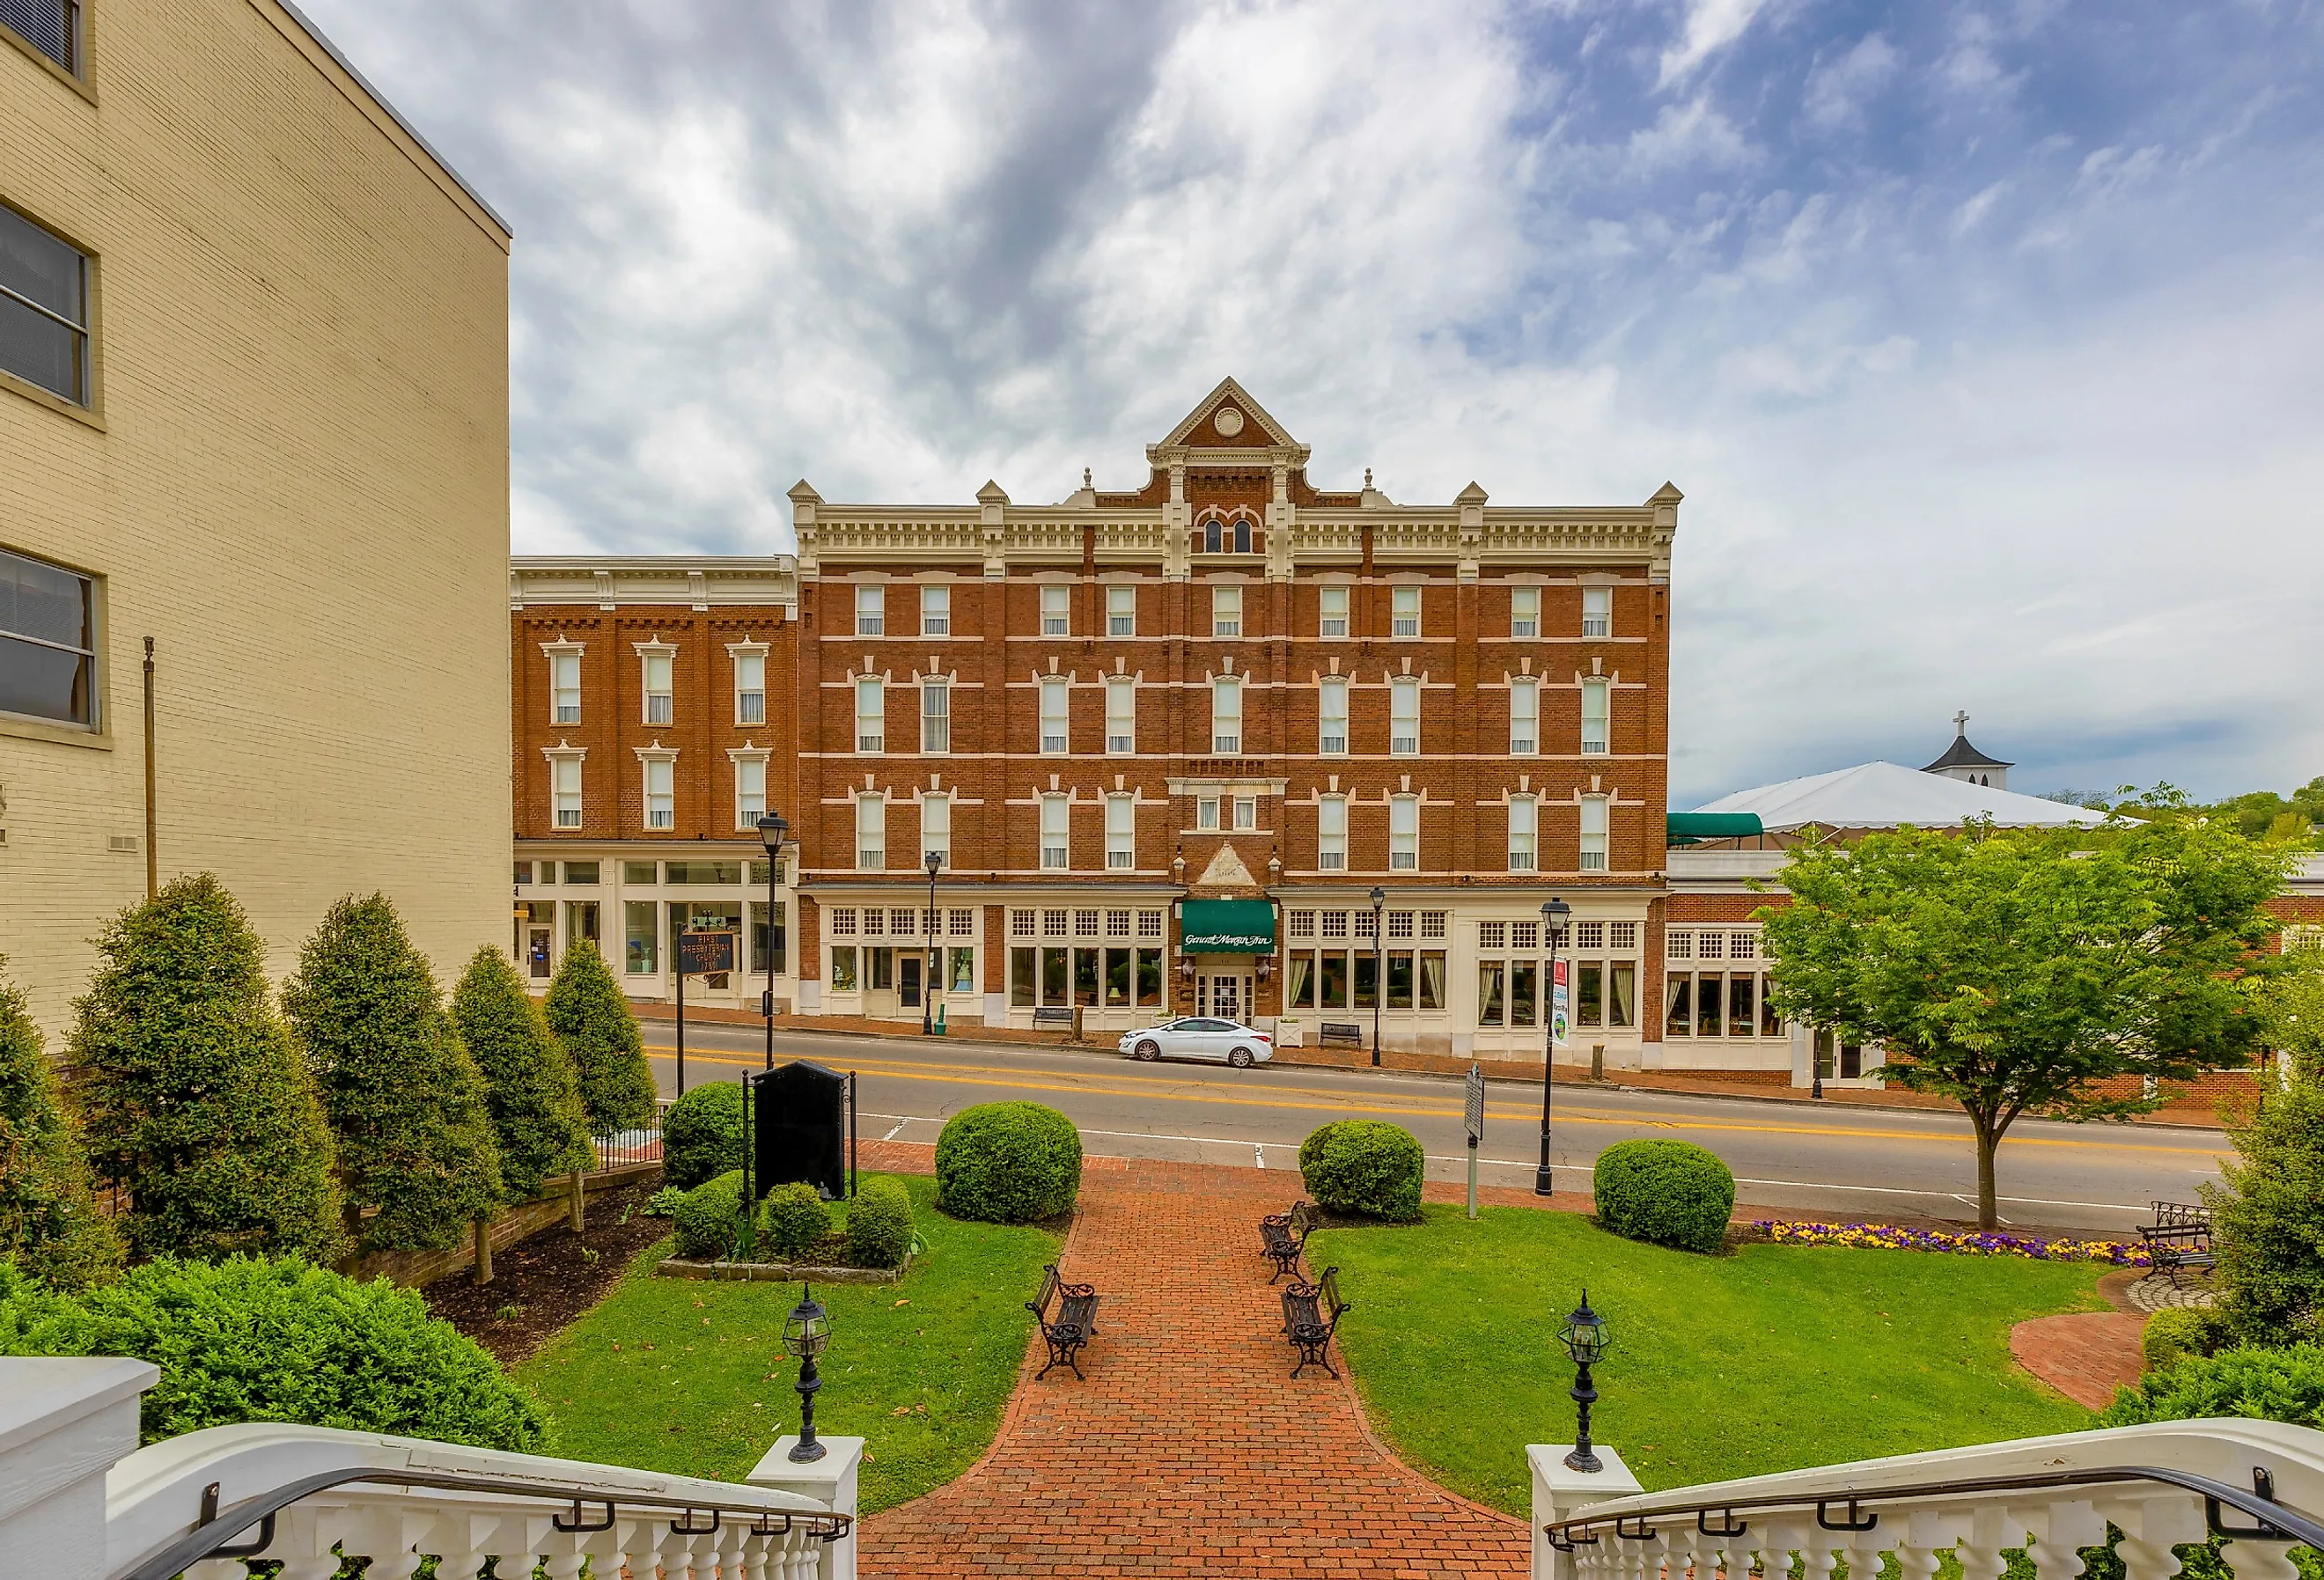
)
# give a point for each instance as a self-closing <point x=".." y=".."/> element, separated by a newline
<point x="2275" y="1522"/>
<point x="214" y="1537"/>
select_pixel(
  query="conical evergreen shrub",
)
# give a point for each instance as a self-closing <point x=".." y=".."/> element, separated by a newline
<point x="591" y="1018"/>
<point x="534" y="1097"/>
<point x="404" y="1099"/>
<point x="49" y="1220"/>
<point x="192" y="1092"/>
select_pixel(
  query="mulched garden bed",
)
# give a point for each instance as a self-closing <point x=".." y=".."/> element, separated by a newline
<point x="541" y="1285"/>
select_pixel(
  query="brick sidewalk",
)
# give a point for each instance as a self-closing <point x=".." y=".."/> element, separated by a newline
<point x="2085" y="1355"/>
<point x="1188" y="1451"/>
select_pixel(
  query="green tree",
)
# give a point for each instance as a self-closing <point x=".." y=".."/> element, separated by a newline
<point x="2291" y="1011"/>
<point x="591" y="1018"/>
<point x="191" y="1089"/>
<point x="2021" y="972"/>
<point x="2267" y="1219"/>
<point x="528" y="1081"/>
<point x="415" y="1139"/>
<point x="49" y="1220"/>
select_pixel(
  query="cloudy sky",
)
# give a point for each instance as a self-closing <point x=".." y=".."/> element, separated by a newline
<point x="1986" y="342"/>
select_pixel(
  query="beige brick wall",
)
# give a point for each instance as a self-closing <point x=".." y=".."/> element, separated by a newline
<point x="296" y="481"/>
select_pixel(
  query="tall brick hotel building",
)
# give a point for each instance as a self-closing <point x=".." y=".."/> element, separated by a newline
<point x="1174" y="748"/>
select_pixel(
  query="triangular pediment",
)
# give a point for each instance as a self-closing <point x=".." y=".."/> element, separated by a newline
<point x="1226" y="871"/>
<point x="1252" y="428"/>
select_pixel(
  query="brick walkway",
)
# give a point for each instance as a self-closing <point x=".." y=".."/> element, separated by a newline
<point x="1188" y="1451"/>
<point x="2085" y="1355"/>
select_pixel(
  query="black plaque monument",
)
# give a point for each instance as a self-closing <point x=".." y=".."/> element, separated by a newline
<point x="803" y="1128"/>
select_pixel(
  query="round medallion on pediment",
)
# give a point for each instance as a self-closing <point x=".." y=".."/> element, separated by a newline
<point x="1228" y="422"/>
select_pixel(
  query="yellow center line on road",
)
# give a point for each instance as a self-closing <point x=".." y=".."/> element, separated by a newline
<point x="1129" y="1085"/>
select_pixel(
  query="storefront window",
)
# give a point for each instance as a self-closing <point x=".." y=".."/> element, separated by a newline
<point x="580" y="922"/>
<point x="1335" y="981"/>
<point x="1021" y="978"/>
<point x="1431" y="979"/>
<point x="1771" y="1024"/>
<point x="1053" y="975"/>
<point x="1589" y="994"/>
<point x="1150" y="978"/>
<point x="1117" y="979"/>
<point x="1299" y="983"/>
<point x="1622" y="993"/>
<point x="1085" y="977"/>
<point x="1740" y="1014"/>
<point x="1399" y="980"/>
<point x="581" y="872"/>
<point x="1680" y="1022"/>
<point x="880" y="970"/>
<point x="1709" y="990"/>
<point x="641" y="937"/>
<point x="638" y="874"/>
<point x="1491" y="976"/>
<point x="964" y="971"/>
<point x="1367" y="980"/>
<point x="843" y="968"/>
<point x="1524" y="976"/>
<point x="724" y="873"/>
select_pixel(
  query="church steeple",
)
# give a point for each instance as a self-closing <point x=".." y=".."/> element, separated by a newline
<point x="1965" y="763"/>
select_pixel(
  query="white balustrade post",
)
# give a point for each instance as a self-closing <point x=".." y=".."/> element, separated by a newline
<point x="830" y="1481"/>
<point x="64" y="1423"/>
<point x="1558" y="1489"/>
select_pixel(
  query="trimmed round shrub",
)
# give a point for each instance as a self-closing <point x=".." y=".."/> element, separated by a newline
<point x="879" y="1224"/>
<point x="710" y="1218"/>
<point x="702" y="1134"/>
<point x="2267" y="1385"/>
<point x="48" y="1220"/>
<point x="792" y="1219"/>
<point x="1365" y="1168"/>
<point x="1664" y="1192"/>
<point x="1008" y="1163"/>
<point x="2172" y="1335"/>
<point x="252" y="1339"/>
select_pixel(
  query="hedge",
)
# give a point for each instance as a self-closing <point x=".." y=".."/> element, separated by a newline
<point x="702" y="1134"/>
<point x="1364" y="1168"/>
<point x="49" y="1220"/>
<point x="791" y="1220"/>
<point x="2267" y="1220"/>
<point x="2261" y="1384"/>
<point x="879" y="1224"/>
<point x="253" y="1339"/>
<point x="709" y="1218"/>
<point x="530" y="1088"/>
<point x="591" y="1020"/>
<point x="1008" y="1163"/>
<point x="406" y="1103"/>
<point x="193" y="1093"/>
<point x="1664" y="1192"/>
<point x="2177" y="1332"/>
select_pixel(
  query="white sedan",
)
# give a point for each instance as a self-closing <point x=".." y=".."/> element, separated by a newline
<point x="1201" y="1036"/>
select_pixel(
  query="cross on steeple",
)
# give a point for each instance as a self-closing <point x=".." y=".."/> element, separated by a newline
<point x="1961" y="725"/>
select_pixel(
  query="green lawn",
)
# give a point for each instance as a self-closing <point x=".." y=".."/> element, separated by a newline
<point x="1775" y="1358"/>
<point x="690" y="1377"/>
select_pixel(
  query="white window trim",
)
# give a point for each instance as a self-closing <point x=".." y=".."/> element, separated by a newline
<point x="940" y="683"/>
<point x="1347" y="601"/>
<point x="1219" y="684"/>
<point x="1324" y="742"/>
<point x="1529" y="744"/>
<point x="1604" y="834"/>
<point x="647" y="652"/>
<point x="1327" y="858"/>
<point x="856" y="618"/>
<point x="749" y="752"/>
<point x="1404" y="861"/>
<point x="855" y="713"/>
<point x="1064" y="851"/>
<point x="1041" y="600"/>
<point x="657" y="753"/>
<point x="862" y="799"/>
<point x="1606" y="590"/>
<point x="1534" y="590"/>
<point x="564" y="751"/>
<point x="1527" y="860"/>
<point x="1398" y="683"/>
<point x="1131" y="589"/>
<point x="943" y="588"/>
<point x="1222" y="594"/>
<point x="1123" y="857"/>
<point x="929" y="799"/>
<point x="1121" y="685"/>
<point x="1396" y="591"/>
<point x="562" y="649"/>
<point x="735" y="652"/>
<point x="1604" y="686"/>
<point x="1064" y="686"/>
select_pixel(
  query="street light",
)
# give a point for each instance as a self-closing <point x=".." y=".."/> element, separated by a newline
<point x="1380" y="977"/>
<point x="771" y="830"/>
<point x="1585" y="1340"/>
<point x="928" y="979"/>
<point x="806" y="1331"/>
<point x="1554" y="915"/>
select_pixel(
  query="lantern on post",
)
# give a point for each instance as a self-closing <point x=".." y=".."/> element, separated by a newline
<point x="1586" y="1340"/>
<point x="806" y="1333"/>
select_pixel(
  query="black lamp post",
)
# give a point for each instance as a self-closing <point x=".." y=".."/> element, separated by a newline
<point x="806" y="1331"/>
<point x="1554" y="915"/>
<point x="1586" y="1339"/>
<point x="929" y="973"/>
<point x="1379" y="972"/>
<point x="771" y="830"/>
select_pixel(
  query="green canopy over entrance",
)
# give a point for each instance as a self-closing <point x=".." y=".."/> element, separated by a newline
<point x="1226" y="927"/>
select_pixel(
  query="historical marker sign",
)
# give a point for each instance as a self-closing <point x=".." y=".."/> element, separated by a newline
<point x="1476" y="1106"/>
<point x="705" y="953"/>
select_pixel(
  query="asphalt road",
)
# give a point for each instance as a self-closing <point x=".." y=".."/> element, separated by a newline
<point x="1838" y="1161"/>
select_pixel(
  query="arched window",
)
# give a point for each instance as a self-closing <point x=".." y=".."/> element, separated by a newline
<point x="1242" y="536"/>
<point x="1210" y="537"/>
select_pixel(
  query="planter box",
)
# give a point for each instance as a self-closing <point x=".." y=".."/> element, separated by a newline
<point x="777" y="1272"/>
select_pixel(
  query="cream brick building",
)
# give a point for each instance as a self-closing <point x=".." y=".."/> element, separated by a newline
<point x="254" y="406"/>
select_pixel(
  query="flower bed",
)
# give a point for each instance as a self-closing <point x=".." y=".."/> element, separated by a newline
<point x="1895" y="1237"/>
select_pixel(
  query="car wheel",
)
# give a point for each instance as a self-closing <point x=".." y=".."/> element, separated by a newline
<point x="1240" y="1058"/>
<point x="1148" y="1050"/>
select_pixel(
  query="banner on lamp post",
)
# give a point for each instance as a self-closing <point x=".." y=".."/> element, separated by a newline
<point x="1557" y="1004"/>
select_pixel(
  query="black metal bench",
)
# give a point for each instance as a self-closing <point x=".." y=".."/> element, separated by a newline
<point x="1283" y="1236"/>
<point x="1346" y="1033"/>
<point x="1310" y="1314"/>
<point x="2179" y="1239"/>
<point x="1054" y="1015"/>
<point x="1075" y="1320"/>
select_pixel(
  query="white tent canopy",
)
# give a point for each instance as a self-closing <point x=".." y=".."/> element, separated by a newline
<point x="1882" y="795"/>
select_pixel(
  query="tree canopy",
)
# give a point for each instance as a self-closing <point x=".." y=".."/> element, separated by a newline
<point x="529" y="1080"/>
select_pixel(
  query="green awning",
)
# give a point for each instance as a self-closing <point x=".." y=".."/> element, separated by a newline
<point x="1226" y="927"/>
<point x="1689" y="827"/>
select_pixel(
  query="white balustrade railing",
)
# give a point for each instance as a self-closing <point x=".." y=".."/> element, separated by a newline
<point x="78" y="1503"/>
<point x="2257" y="1484"/>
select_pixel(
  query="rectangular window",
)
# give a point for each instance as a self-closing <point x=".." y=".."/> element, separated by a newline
<point x="1593" y="834"/>
<point x="1057" y="847"/>
<point x="1525" y="611"/>
<point x="1594" y="696"/>
<point x="843" y="969"/>
<point x="1332" y="834"/>
<point x="1403" y="833"/>
<point x="1120" y="713"/>
<point x="936" y="717"/>
<point x="1399" y="979"/>
<point x="1400" y="924"/>
<point x="1742" y="1017"/>
<point x="640" y="938"/>
<point x="1622" y="993"/>
<point x="581" y="873"/>
<point x="1367" y="974"/>
<point x="1335" y="924"/>
<point x="1678" y="945"/>
<point x="749" y="792"/>
<point x="1403" y="612"/>
<point x="1056" y="609"/>
<point x="661" y="795"/>
<point x="565" y="787"/>
<point x="1525" y="977"/>
<point x="43" y="297"/>
<point x="1332" y="607"/>
<point x="964" y="971"/>
<point x="871" y="714"/>
<point x="1206" y="813"/>
<point x="1710" y="946"/>
<point x="1299" y="982"/>
<point x="1226" y="611"/>
<point x="870" y="833"/>
<point x="50" y="26"/>
<point x="1492" y="935"/>
<point x="1491" y="985"/>
<point x="935" y="829"/>
<point x="1589" y="992"/>
<point x="1331" y="717"/>
<point x="1120" y="610"/>
<point x="1524" y="717"/>
<point x="1121" y="834"/>
<point x="1708" y="996"/>
<point x="1150" y="978"/>
<point x="1597" y="611"/>
<point x="1246" y="812"/>
<point x="657" y="668"/>
<point x="870" y="610"/>
<point x="640" y="875"/>
<point x="1404" y="716"/>
<point x="1588" y="935"/>
<point x="1055" y="701"/>
<point x="48" y="640"/>
<point x="749" y="688"/>
<point x="936" y="611"/>
<point x="1022" y="985"/>
<point x="564" y="688"/>
<point x="1226" y="714"/>
<point x="1432" y="923"/>
<point x="1678" y="1021"/>
<point x="963" y="924"/>
<point x="1523" y="830"/>
<point x="1431" y="979"/>
<point x="1334" y="986"/>
<point x="1524" y="936"/>
<point x="1771" y="1024"/>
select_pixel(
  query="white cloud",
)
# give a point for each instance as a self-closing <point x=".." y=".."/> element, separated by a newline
<point x="1837" y="87"/>
<point x="1710" y="26"/>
